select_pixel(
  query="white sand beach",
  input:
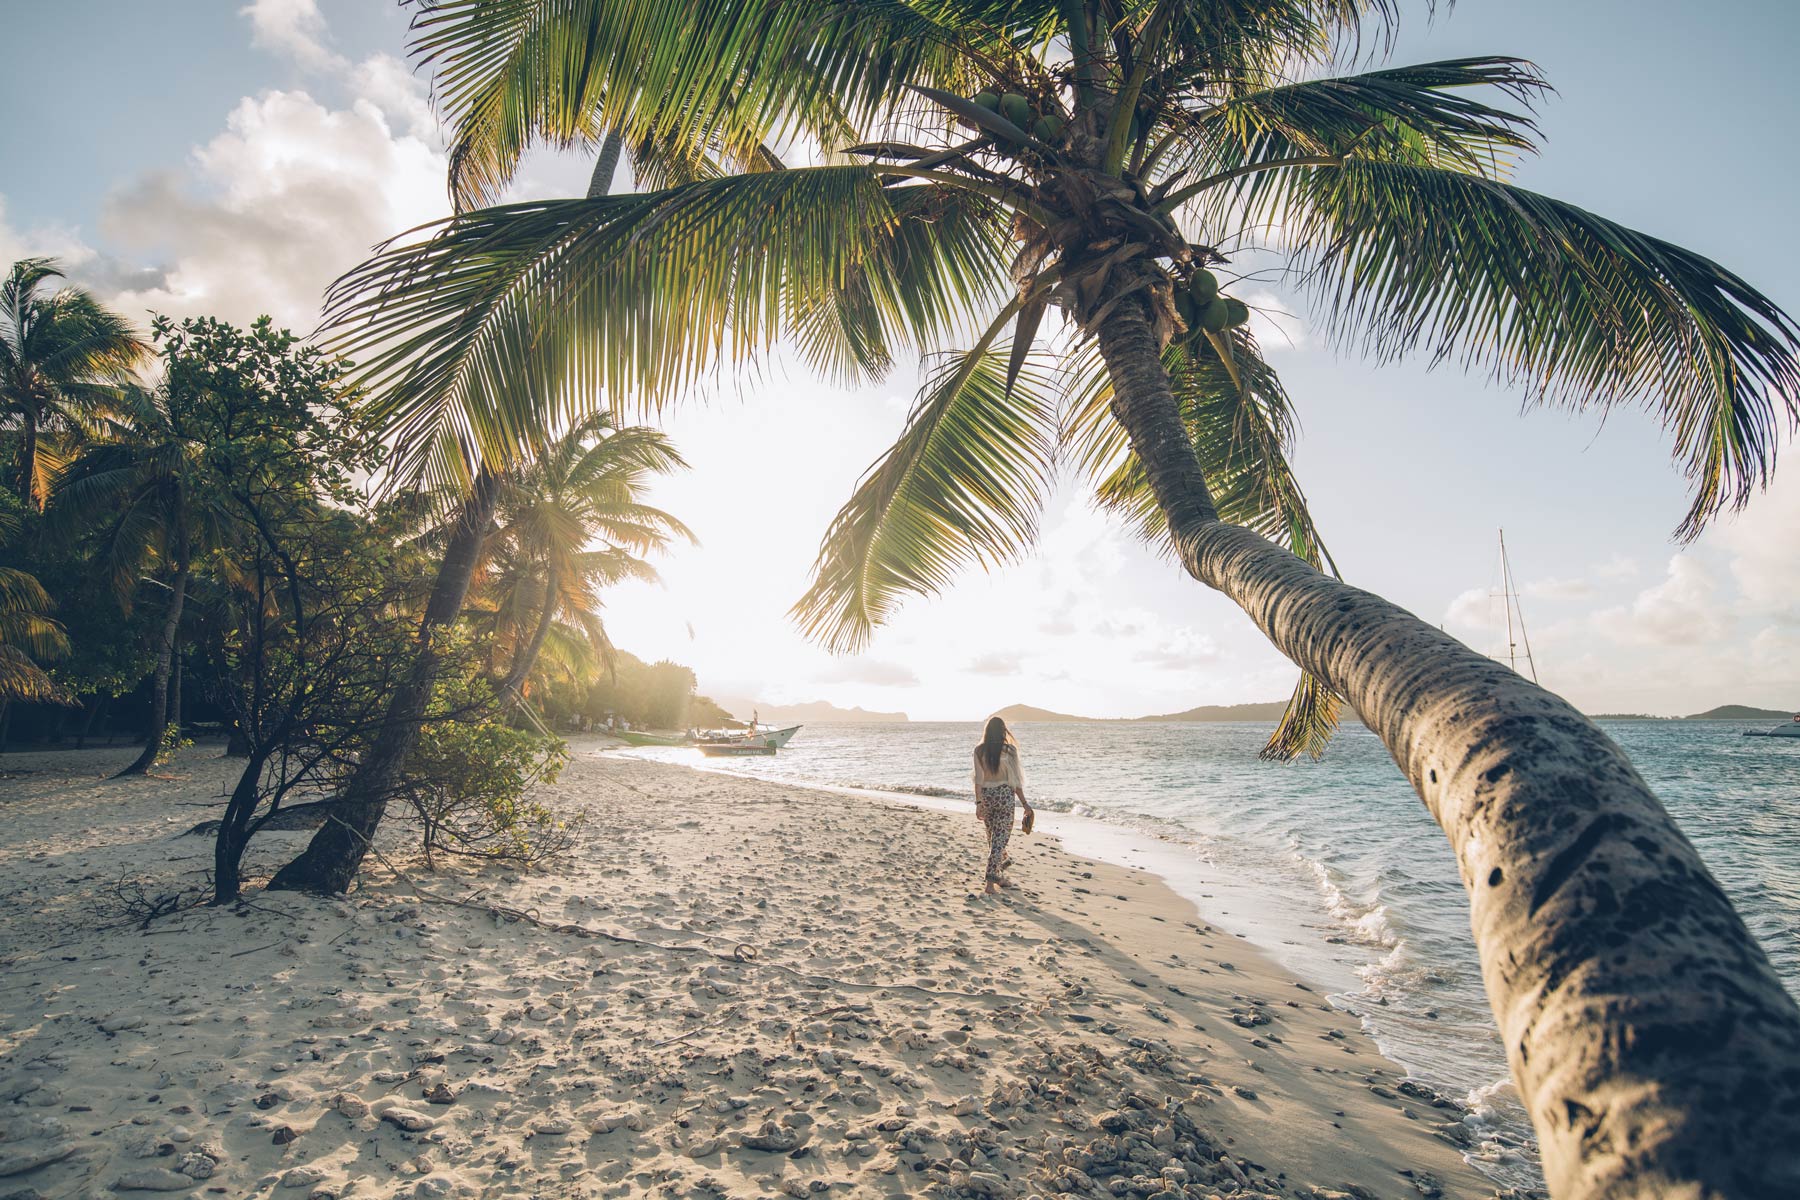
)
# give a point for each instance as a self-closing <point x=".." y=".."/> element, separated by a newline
<point x="736" y="989"/>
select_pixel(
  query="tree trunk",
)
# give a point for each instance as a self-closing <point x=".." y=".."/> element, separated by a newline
<point x="91" y="711"/>
<point x="175" y="676"/>
<point x="527" y="656"/>
<point x="165" y="658"/>
<point x="28" y="440"/>
<point x="234" y="827"/>
<point x="330" y="861"/>
<point x="605" y="166"/>
<point x="1649" y="1037"/>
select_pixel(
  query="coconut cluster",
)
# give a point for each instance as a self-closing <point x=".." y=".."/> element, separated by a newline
<point x="1202" y="306"/>
<point x="1044" y="126"/>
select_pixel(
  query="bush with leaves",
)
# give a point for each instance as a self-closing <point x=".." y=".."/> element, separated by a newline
<point x="471" y="782"/>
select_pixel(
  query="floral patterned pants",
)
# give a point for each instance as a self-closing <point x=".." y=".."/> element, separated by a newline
<point x="997" y="807"/>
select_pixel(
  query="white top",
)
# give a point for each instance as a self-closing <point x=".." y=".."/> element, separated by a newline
<point x="1009" y="771"/>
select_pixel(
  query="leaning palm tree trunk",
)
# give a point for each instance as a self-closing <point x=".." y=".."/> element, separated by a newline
<point x="1649" y="1037"/>
<point x="331" y="860"/>
<point x="160" y="678"/>
<point x="527" y="655"/>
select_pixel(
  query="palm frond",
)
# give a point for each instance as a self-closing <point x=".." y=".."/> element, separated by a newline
<point x="1421" y="114"/>
<point x="22" y="679"/>
<point x="508" y="322"/>
<point x="720" y="75"/>
<point x="1581" y="311"/>
<point x="964" y="484"/>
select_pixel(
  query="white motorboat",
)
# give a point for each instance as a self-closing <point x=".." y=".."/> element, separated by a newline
<point x="754" y="736"/>
<point x="1789" y="729"/>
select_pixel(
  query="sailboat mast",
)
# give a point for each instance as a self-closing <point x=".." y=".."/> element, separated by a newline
<point x="1510" y="599"/>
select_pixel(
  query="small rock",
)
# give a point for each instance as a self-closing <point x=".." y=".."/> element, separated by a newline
<point x="283" y="1135"/>
<point x="196" y="1166"/>
<point x="772" y="1139"/>
<point x="503" y="1036"/>
<point x="17" y="1162"/>
<point x="550" y="1126"/>
<point x="440" y="1093"/>
<point x="407" y="1119"/>
<point x="302" y="1177"/>
<point x="431" y="1187"/>
<point x="354" y="1107"/>
<point x="986" y="1183"/>
<point x="155" y="1179"/>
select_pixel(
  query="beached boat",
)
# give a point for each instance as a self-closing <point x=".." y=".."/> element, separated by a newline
<point x="734" y="749"/>
<point x="647" y="739"/>
<point x="1789" y="729"/>
<point x="758" y="735"/>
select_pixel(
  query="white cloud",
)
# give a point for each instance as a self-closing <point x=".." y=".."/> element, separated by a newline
<point x="1685" y="609"/>
<point x="1274" y="322"/>
<point x="873" y="671"/>
<point x="1764" y="542"/>
<point x="998" y="662"/>
<point x="1559" y="589"/>
<point x="294" y="29"/>
<point x="288" y="197"/>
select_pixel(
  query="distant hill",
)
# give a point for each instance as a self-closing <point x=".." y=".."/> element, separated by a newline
<point x="1742" y="712"/>
<point x="816" y="710"/>
<point x="1025" y="712"/>
<point x="1206" y="712"/>
<point x="1270" y="711"/>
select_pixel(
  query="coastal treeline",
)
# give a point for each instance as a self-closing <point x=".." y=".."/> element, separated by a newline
<point x="192" y="540"/>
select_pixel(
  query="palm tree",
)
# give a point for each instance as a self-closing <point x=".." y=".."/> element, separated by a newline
<point x="63" y="359"/>
<point x="29" y="636"/>
<point x="1102" y="157"/>
<point x="586" y="487"/>
<point x="523" y="97"/>
<point x="137" y="485"/>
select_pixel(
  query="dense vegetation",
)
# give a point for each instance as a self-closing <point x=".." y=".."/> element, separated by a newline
<point x="190" y="544"/>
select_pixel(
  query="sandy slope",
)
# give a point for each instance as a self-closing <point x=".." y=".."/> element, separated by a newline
<point x="892" y="1034"/>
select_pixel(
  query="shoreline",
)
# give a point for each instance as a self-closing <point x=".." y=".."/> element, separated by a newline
<point x="895" y="1034"/>
<point x="1251" y="909"/>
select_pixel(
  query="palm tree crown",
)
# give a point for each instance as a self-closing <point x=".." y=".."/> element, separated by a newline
<point x="63" y="358"/>
<point x="571" y="523"/>
<point x="985" y="161"/>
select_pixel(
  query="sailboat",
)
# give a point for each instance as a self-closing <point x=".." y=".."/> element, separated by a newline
<point x="1518" y="642"/>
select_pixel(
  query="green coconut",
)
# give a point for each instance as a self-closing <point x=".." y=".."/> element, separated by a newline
<point x="1045" y="129"/>
<point x="1190" y="312"/>
<point x="1215" y="316"/>
<point x="1236" y="312"/>
<point x="1016" y="109"/>
<point x="1204" y="286"/>
<point x="986" y="100"/>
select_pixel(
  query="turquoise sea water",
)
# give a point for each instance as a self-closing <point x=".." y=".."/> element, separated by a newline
<point x="1336" y="867"/>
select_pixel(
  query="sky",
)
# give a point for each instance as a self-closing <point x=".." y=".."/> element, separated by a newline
<point x="232" y="159"/>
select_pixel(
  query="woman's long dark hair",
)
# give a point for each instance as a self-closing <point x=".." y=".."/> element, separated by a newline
<point x="994" y="741"/>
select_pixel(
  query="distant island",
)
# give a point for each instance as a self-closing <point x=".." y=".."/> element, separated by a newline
<point x="1269" y="711"/>
<point x="1272" y="710"/>
<point x="1743" y="712"/>
<point x="815" y="711"/>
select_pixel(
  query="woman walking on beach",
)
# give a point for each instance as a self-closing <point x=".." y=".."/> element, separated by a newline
<point x="998" y="782"/>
